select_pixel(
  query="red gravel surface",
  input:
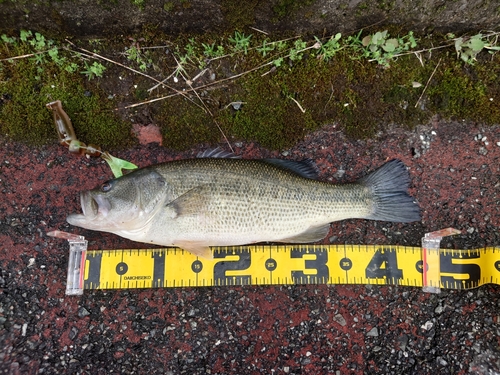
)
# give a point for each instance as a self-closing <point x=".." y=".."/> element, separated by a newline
<point x="313" y="329"/>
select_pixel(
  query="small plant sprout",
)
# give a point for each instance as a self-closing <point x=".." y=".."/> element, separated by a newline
<point x="180" y="68"/>
<point x="277" y="62"/>
<point x="24" y="35"/>
<point x="8" y="40"/>
<point x="468" y="48"/>
<point x="134" y="53"/>
<point x="330" y="48"/>
<point x="298" y="49"/>
<point x="266" y="47"/>
<point x="241" y="42"/>
<point x="94" y="70"/>
<point x="191" y="49"/>
<point x="212" y="51"/>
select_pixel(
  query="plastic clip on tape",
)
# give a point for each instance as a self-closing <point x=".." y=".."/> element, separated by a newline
<point x="431" y="257"/>
<point x="428" y="267"/>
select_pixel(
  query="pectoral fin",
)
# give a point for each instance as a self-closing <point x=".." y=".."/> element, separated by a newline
<point x="197" y="248"/>
<point x="312" y="234"/>
<point x="194" y="202"/>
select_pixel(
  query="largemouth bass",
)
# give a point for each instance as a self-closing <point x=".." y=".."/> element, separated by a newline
<point x="203" y="202"/>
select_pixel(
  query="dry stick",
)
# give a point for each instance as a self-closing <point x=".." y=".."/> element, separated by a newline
<point x="298" y="105"/>
<point x="24" y="56"/>
<point x="427" y="84"/>
<point x="259" y="31"/>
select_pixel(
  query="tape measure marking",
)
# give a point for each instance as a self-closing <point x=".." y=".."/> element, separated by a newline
<point x="287" y="264"/>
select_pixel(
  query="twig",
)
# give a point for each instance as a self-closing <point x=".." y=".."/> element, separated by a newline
<point x="298" y="105"/>
<point x="259" y="31"/>
<point x="24" y="56"/>
<point x="427" y="84"/>
<point x="418" y="55"/>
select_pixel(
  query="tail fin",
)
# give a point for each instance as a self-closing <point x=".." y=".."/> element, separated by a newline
<point x="389" y="185"/>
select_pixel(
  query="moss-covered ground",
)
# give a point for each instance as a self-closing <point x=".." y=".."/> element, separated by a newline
<point x="215" y="89"/>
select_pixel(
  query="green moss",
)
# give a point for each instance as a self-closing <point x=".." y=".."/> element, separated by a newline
<point x="269" y="114"/>
<point x="284" y="8"/>
<point x="26" y="87"/>
<point x="168" y="6"/>
<point x="184" y="124"/>
<point x="239" y="14"/>
<point x="385" y="4"/>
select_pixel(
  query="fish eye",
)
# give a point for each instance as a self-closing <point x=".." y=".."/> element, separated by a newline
<point x="106" y="186"/>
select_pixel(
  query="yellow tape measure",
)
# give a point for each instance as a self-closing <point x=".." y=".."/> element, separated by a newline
<point x="282" y="265"/>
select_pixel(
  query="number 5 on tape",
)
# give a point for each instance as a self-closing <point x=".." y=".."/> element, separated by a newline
<point x="431" y="257"/>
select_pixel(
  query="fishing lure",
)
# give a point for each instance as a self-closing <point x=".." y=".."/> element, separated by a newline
<point x="67" y="137"/>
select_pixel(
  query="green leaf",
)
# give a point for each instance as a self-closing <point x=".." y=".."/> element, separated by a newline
<point x="7" y="39"/>
<point x="24" y="35"/>
<point x="390" y="45"/>
<point x="476" y="44"/>
<point x="366" y="40"/>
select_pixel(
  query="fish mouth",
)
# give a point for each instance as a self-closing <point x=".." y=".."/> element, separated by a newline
<point x="92" y="208"/>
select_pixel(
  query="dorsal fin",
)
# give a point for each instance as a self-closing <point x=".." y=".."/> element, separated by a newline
<point x="217" y="153"/>
<point x="305" y="168"/>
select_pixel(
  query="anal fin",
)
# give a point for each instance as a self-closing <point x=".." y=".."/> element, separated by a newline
<point x="312" y="234"/>
<point x="197" y="248"/>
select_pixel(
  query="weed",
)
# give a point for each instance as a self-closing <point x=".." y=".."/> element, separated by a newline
<point x="212" y="51"/>
<point x="94" y="70"/>
<point x="330" y="48"/>
<point x="139" y="3"/>
<point x="468" y="48"/>
<point x="135" y="54"/>
<point x="191" y="48"/>
<point x="8" y="40"/>
<point x="241" y="42"/>
<point x="277" y="62"/>
<point x="266" y="47"/>
<point x="382" y="49"/>
<point x="297" y="51"/>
